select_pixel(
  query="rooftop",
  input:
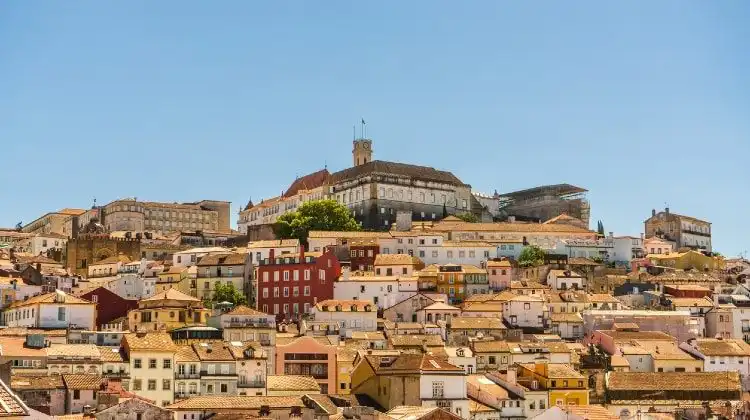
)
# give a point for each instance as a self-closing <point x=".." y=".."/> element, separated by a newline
<point x="297" y="383"/>
<point x="722" y="347"/>
<point x="397" y="259"/>
<point x="153" y="341"/>
<point x="209" y="402"/>
<point x="674" y="381"/>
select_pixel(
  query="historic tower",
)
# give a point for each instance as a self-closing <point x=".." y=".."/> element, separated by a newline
<point x="362" y="152"/>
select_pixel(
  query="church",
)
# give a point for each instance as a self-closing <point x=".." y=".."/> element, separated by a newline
<point x="376" y="191"/>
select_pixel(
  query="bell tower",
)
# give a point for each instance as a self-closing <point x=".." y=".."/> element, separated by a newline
<point x="362" y="152"/>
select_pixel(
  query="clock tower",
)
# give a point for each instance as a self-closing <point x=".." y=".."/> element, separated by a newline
<point x="362" y="151"/>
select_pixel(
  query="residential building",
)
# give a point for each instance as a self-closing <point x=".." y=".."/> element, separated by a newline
<point x="669" y="392"/>
<point x="24" y="355"/>
<point x="289" y="286"/>
<point x="114" y="362"/>
<point x="174" y="277"/>
<point x="407" y="309"/>
<point x="151" y="359"/>
<point x="383" y="291"/>
<point x="684" y="231"/>
<point x="474" y="253"/>
<point x="308" y="356"/>
<point x="108" y="267"/>
<point x="679" y="324"/>
<point x="721" y="355"/>
<point x="437" y="311"/>
<point x="460" y="330"/>
<point x="526" y="311"/>
<point x="167" y="311"/>
<point x="252" y="365"/>
<point x="76" y="359"/>
<point x="457" y="281"/>
<point x="51" y="222"/>
<point x="611" y="340"/>
<point x="656" y="245"/>
<point x="139" y="216"/>
<point x="51" y="310"/>
<point x="626" y="249"/>
<point x="565" y="385"/>
<point x="109" y="306"/>
<point x="217" y="368"/>
<point x="462" y="357"/>
<point x="187" y="376"/>
<point x="363" y="253"/>
<point x="319" y="240"/>
<point x="261" y="250"/>
<point x="687" y="260"/>
<point x="345" y="357"/>
<point x="132" y="283"/>
<point x="483" y="391"/>
<point x="565" y="279"/>
<point x="206" y="406"/>
<point x="133" y="409"/>
<point x="190" y="257"/>
<point x="411" y="379"/>
<point x="230" y="269"/>
<point x="351" y="315"/>
<point x="46" y="394"/>
<point x="81" y="391"/>
<point x="499" y="274"/>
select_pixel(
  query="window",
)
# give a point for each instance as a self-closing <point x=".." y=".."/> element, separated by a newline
<point x="76" y="394"/>
<point x="275" y="276"/>
<point x="166" y="385"/>
<point x="449" y="254"/>
<point x="307" y="291"/>
<point x="295" y="292"/>
<point x="286" y="275"/>
<point x="265" y="292"/>
<point x="437" y="389"/>
<point x="167" y="363"/>
<point x="61" y="314"/>
<point x="435" y="254"/>
<point x="152" y="384"/>
<point x="275" y="292"/>
<point x="307" y="307"/>
<point x="526" y="306"/>
<point x="286" y="292"/>
<point x="152" y="363"/>
<point x="307" y="274"/>
<point x="265" y="277"/>
<point x="223" y="387"/>
<point x="95" y="298"/>
<point x="322" y="276"/>
<point x="136" y="385"/>
<point x="286" y="308"/>
<point x="136" y="363"/>
<point x="471" y="254"/>
<point x="295" y="275"/>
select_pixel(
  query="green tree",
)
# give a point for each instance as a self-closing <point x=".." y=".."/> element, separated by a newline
<point x="227" y="293"/>
<point x="531" y="256"/>
<point x="314" y="215"/>
<point x="600" y="228"/>
<point x="468" y="217"/>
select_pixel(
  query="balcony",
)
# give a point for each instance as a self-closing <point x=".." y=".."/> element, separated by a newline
<point x="182" y="394"/>
<point x="251" y="384"/>
<point x="695" y="232"/>
<point x="250" y="324"/>
<point x="229" y="374"/>
<point x="119" y="374"/>
<point x="220" y="276"/>
<point x="745" y="328"/>
<point x="187" y="376"/>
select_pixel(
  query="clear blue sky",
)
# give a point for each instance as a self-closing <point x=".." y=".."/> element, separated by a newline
<point x="641" y="102"/>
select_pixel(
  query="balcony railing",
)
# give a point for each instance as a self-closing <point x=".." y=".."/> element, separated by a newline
<point x="205" y="373"/>
<point x="219" y="276"/>
<point x="695" y="232"/>
<point x="119" y="374"/>
<point x="178" y="394"/>
<point x="248" y="323"/>
<point x="251" y="384"/>
<point x="187" y="376"/>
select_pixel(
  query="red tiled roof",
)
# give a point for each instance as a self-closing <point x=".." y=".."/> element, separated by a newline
<point x="308" y="182"/>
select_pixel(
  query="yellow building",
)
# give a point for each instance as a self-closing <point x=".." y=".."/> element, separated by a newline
<point x="173" y="278"/>
<point x="458" y="281"/>
<point x="166" y="311"/>
<point x="687" y="260"/>
<point x="344" y="366"/>
<point x="564" y="385"/>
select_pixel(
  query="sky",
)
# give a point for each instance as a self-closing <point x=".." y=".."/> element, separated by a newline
<point x="643" y="103"/>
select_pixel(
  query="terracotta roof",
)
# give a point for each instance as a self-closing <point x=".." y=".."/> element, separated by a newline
<point x="397" y="259"/>
<point x="484" y="323"/>
<point x="235" y="258"/>
<point x="23" y="383"/>
<point x="502" y="264"/>
<point x="324" y="403"/>
<point x="73" y="350"/>
<point x="368" y="335"/>
<point x="432" y="364"/>
<point x="82" y="381"/>
<point x="207" y="402"/>
<point x="37" y="259"/>
<point x="171" y="294"/>
<point x="491" y="306"/>
<point x="333" y="305"/>
<point x="703" y="302"/>
<point x="405" y="412"/>
<point x="591" y="412"/>
<point x="573" y="318"/>
<point x="477" y="407"/>
<point x="527" y="284"/>
<point x="54" y="297"/>
<point x="582" y="261"/>
<point x="491" y="347"/>
<point x="308" y="182"/>
<point x="245" y="310"/>
<point x="414" y="340"/>
<point x="23" y="332"/>
<point x="395" y="169"/>
<point x="467" y="244"/>
<point x="297" y="383"/>
<point x="213" y="351"/>
<point x="602" y="298"/>
<point x="561" y="273"/>
<point x="317" y="234"/>
<point x="674" y="381"/>
<point x="618" y="336"/>
<point x="440" y="306"/>
<point x="16" y="347"/>
<point x="10" y="404"/>
<point x="154" y="341"/>
<point x="507" y="227"/>
<point x="556" y="370"/>
<point x="111" y="354"/>
<point x="723" y="347"/>
<point x="282" y="243"/>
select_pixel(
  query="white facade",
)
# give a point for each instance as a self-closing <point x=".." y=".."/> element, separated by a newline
<point x="716" y="362"/>
<point x="133" y="286"/>
<point x="475" y="254"/>
<point x="462" y="357"/>
<point x="190" y="257"/>
<point x="154" y="383"/>
<point x="627" y="248"/>
<point x="451" y="388"/>
<point x="52" y="315"/>
<point x="382" y="291"/>
<point x="40" y="244"/>
<point x="565" y="279"/>
<point x="349" y="321"/>
<point x="587" y="248"/>
<point x="508" y="248"/>
<point x="259" y="251"/>
<point x="525" y="311"/>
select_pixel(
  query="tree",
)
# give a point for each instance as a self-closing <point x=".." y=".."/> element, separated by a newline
<point x="600" y="228"/>
<point x="445" y="211"/>
<point x="531" y="256"/>
<point x="468" y="217"/>
<point x="314" y="215"/>
<point x="227" y="293"/>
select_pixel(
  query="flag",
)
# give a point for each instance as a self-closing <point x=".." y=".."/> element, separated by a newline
<point x="363" y="121"/>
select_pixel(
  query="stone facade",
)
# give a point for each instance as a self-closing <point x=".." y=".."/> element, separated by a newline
<point x="88" y="248"/>
<point x="133" y="409"/>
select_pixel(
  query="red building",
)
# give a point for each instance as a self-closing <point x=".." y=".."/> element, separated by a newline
<point x="109" y="305"/>
<point x="362" y="253"/>
<point x="687" y="291"/>
<point x="289" y="286"/>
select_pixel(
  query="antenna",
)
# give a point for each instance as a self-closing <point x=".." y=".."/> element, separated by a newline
<point x="363" y="129"/>
<point x="354" y="132"/>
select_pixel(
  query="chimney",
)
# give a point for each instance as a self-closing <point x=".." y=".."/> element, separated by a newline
<point x="511" y="375"/>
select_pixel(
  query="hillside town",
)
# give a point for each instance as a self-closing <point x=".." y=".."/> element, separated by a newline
<point x="443" y="303"/>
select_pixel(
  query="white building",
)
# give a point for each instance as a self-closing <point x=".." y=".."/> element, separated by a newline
<point x="190" y="257"/>
<point x="565" y="279"/>
<point x="462" y="357"/>
<point x="383" y="291"/>
<point x="52" y="310"/>
<point x="131" y="282"/>
<point x="474" y="253"/>
<point x="43" y="242"/>
<point x="525" y="311"/>
<point x="74" y="359"/>
<point x="351" y="315"/>
<point x="261" y="250"/>
<point x="627" y="248"/>
<point x="587" y="248"/>
<point x="445" y="384"/>
<point x="721" y="355"/>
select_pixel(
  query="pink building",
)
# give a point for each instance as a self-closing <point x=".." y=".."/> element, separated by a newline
<point x="499" y="274"/>
<point x="309" y="356"/>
